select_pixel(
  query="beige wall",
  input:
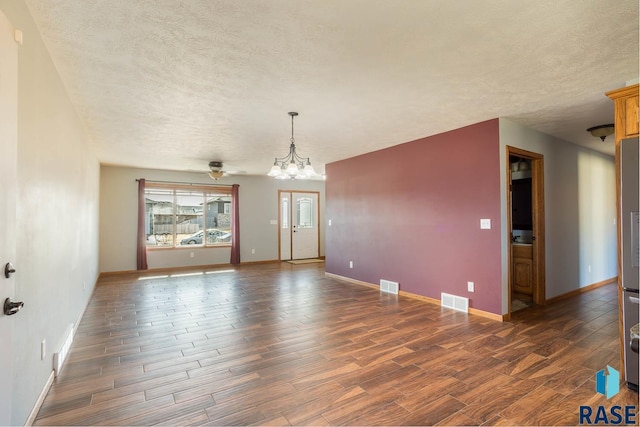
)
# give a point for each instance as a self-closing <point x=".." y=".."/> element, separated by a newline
<point x="258" y="207"/>
<point x="57" y="215"/>
<point x="580" y="209"/>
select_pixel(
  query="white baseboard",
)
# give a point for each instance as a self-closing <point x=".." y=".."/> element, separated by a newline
<point x="36" y="407"/>
<point x="47" y="386"/>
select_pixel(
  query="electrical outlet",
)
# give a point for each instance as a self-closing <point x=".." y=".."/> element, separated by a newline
<point x="43" y="349"/>
<point x="589" y="269"/>
<point x="470" y="287"/>
<point x="350" y="264"/>
<point x="329" y="223"/>
<point x="253" y="251"/>
<point x="192" y="254"/>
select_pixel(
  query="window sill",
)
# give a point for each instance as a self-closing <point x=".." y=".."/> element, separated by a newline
<point x="179" y="248"/>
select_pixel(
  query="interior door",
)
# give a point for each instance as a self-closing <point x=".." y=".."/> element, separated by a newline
<point x="8" y="165"/>
<point x="304" y="225"/>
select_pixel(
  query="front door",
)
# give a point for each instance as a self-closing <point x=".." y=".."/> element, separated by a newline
<point x="8" y="165"/>
<point x="298" y="224"/>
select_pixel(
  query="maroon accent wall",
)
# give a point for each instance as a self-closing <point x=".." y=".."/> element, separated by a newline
<point x="411" y="213"/>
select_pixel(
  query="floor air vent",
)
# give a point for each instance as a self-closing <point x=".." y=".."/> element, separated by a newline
<point x="61" y="355"/>
<point x="389" y="286"/>
<point x="455" y="302"/>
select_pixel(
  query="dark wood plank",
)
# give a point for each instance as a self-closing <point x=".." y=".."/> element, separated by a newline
<point x="284" y="345"/>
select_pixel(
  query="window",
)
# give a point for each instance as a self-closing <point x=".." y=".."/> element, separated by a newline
<point x="285" y="212"/>
<point x="178" y="216"/>
<point x="304" y="212"/>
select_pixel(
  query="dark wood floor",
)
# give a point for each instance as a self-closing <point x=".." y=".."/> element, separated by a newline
<point x="282" y="344"/>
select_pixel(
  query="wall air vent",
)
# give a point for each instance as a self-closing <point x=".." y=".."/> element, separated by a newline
<point x="455" y="302"/>
<point x="389" y="286"/>
<point x="60" y="357"/>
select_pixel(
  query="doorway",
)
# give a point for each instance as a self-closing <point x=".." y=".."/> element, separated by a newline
<point x="525" y="222"/>
<point x="298" y="225"/>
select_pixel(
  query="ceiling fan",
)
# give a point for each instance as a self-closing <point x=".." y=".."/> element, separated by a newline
<point x="216" y="170"/>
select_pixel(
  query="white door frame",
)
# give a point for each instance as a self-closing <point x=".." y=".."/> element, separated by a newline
<point x="8" y="183"/>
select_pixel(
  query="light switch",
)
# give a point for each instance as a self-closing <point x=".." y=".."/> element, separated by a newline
<point x="485" y="224"/>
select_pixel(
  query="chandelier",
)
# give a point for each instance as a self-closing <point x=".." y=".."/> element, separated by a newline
<point x="292" y="166"/>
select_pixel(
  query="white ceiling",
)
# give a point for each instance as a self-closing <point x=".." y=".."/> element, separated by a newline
<point x="174" y="84"/>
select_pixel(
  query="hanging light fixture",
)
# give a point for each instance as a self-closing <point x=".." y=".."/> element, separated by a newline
<point x="292" y="166"/>
<point x="216" y="170"/>
<point x="602" y="131"/>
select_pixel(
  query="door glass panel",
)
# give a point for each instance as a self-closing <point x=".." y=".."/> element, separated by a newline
<point x="285" y="212"/>
<point x="304" y="212"/>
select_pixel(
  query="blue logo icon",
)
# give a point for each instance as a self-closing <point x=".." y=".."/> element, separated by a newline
<point x="608" y="384"/>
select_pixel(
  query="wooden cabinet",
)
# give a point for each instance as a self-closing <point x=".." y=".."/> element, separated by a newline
<point x="626" y="111"/>
<point x="522" y="279"/>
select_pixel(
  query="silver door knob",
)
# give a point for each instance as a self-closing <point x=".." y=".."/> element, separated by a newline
<point x="11" y="308"/>
<point x="9" y="270"/>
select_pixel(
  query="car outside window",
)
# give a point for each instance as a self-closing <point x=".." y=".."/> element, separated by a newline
<point x="177" y="217"/>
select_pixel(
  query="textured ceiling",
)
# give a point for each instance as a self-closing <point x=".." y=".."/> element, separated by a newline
<point x="174" y="84"/>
